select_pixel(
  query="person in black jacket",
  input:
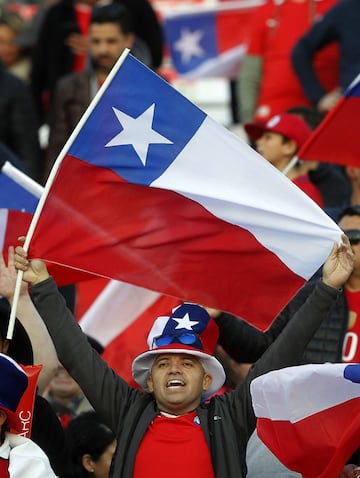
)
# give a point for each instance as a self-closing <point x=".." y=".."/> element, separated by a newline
<point x="172" y="423"/>
<point x="19" y="122"/>
<point x="340" y="24"/>
<point x="110" y="32"/>
<point x="55" y="48"/>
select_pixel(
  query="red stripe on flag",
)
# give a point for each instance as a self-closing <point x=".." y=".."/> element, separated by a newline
<point x="161" y="241"/>
<point x="17" y="225"/>
<point x="86" y="292"/>
<point x="317" y="446"/>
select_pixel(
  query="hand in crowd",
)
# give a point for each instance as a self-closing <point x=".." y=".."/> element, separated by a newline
<point x="35" y="271"/>
<point x="328" y="101"/>
<point x="8" y="275"/>
<point x="350" y="471"/>
<point x="339" y="264"/>
<point x="78" y="43"/>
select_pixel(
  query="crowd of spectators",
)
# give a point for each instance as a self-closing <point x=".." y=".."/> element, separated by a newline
<point x="301" y="56"/>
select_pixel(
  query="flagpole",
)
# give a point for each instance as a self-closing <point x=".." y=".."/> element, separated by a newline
<point x="51" y="178"/>
<point x="290" y="165"/>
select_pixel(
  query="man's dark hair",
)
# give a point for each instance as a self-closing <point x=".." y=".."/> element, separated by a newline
<point x="86" y="434"/>
<point x="113" y="13"/>
<point x="350" y="211"/>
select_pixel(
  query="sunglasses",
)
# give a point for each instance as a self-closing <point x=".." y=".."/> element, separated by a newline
<point x="186" y="339"/>
<point x="354" y="236"/>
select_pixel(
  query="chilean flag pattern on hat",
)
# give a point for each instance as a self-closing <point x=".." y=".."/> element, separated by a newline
<point x="171" y="334"/>
<point x="14" y="382"/>
<point x="187" y="318"/>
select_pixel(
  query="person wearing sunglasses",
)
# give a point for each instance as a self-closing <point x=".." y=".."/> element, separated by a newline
<point x="175" y="425"/>
<point x="336" y="340"/>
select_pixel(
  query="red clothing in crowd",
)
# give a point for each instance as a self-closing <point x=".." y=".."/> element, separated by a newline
<point x="83" y="15"/>
<point x="277" y="26"/>
<point x="304" y="183"/>
<point x="351" y="347"/>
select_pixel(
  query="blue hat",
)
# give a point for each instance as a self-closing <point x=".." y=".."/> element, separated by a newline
<point x="190" y="330"/>
<point x="13" y="383"/>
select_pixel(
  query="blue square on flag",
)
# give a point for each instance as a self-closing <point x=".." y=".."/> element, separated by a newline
<point x="192" y="40"/>
<point x="167" y="122"/>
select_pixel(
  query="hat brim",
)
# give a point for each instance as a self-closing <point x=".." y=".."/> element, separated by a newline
<point x="142" y="364"/>
<point x="254" y="131"/>
<point x="13" y="420"/>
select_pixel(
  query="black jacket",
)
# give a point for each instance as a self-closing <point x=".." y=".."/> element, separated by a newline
<point x="19" y="122"/>
<point x="52" y="58"/>
<point x="245" y="343"/>
<point x="340" y="24"/>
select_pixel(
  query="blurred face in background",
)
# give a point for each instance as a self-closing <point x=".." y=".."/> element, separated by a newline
<point x="63" y="387"/>
<point x="9" y="51"/>
<point x="107" y="42"/>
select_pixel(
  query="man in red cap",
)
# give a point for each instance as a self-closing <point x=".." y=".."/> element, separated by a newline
<point x="173" y="427"/>
<point x="278" y="141"/>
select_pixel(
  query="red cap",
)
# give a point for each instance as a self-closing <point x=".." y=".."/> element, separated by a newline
<point x="287" y="124"/>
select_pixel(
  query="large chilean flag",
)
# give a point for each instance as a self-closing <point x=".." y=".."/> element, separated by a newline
<point x="151" y="191"/>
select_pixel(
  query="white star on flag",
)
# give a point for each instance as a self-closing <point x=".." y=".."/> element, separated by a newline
<point x="137" y="132"/>
<point x="189" y="45"/>
<point x="185" y="322"/>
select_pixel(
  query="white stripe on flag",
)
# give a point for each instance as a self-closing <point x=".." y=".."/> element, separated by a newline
<point x="262" y="217"/>
<point x="294" y="393"/>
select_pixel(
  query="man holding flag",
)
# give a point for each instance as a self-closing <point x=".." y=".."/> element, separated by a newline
<point x="180" y="373"/>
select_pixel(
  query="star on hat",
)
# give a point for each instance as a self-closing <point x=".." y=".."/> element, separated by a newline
<point x="185" y="322"/>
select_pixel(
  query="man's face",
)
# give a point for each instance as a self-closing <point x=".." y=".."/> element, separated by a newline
<point x="177" y="381"/>
<point x="107" y="42"/>
<point x="9" y="51"/>
<point x="347" y="223"/>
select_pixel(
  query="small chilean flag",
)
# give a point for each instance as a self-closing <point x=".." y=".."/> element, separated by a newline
<point x="209" y="41"/>
<point x="309" y="416"/>
<point x="336" y="140"/>
<point x="19" y="196"/>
